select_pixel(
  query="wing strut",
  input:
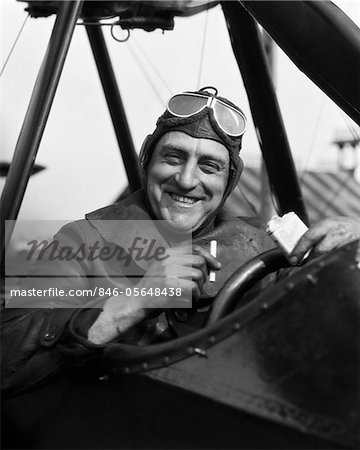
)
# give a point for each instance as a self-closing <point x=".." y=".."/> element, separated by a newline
<point x="40" y="104"/>
<point x="37" y="114"/>
<point x="321" y="40"/>
<point x="250" y="55"/>
<point x="115" y="105"/>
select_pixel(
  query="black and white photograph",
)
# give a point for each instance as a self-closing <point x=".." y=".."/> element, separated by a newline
<point x="180" y="216"/>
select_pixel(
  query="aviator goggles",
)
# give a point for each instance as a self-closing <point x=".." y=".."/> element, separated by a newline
<point x="230" y="120"/>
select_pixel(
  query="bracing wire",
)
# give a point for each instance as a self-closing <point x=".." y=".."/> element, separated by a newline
<point x="148" y="78"/>
<point x="152" y="65"/>
<point x="203" y="48"/>
<point x="352" y="129"/>
<point x="312" y="142"/>
<point x="14" y="44"/>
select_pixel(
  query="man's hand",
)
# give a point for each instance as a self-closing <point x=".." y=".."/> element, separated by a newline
<point x="184" y="267"/>
<point x="325" y="236"/>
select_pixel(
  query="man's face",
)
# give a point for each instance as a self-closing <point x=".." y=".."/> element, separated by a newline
<point x="187" y="178"/>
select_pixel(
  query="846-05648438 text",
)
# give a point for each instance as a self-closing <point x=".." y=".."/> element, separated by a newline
<point x="98" y="292"/>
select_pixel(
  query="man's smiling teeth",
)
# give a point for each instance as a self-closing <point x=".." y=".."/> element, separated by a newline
<point x="180" y="198"/>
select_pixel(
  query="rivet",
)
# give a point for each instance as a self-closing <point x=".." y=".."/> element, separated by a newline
<point x="104" y="378"/>
<point x="236" y="326"/>
<point x="200" y="352"/>
<point x="144" y="365"/>
<point x="181" y="315"/>
<point x="311" y="279"/>
<point x="212" y="339"/>
<point x="265" y="306"/>
<point x="290" y="286"/>
<point x="166" y="360"/>
<point x="49" y="336"/>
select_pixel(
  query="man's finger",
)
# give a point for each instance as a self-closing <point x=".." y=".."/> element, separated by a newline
<point x="305" y="244"/>
<point x="211" y="261"/>
<point x="325" y="236"/>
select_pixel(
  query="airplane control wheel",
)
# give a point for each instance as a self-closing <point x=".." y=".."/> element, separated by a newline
<point x="243" y="279"/>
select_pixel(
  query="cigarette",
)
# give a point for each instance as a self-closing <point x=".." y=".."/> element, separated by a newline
<point x="213" y="249"/>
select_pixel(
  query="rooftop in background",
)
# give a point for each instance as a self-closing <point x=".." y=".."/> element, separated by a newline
<point x="326" y="194"/>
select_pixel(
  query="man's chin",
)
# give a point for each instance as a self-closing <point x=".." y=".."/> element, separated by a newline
<point x="181" y="227"/>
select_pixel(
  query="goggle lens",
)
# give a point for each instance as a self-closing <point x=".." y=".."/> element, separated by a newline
<point x="186" y="105"/>
<point x="231" y="121"/>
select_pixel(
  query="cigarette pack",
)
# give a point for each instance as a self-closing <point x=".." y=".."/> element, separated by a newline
<point x="286" y="231"/>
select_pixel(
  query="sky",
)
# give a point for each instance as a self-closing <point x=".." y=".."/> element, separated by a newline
<point x="83" y="165"/>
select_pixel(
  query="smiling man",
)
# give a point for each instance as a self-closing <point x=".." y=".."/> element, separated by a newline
<point x="190" y="165"/>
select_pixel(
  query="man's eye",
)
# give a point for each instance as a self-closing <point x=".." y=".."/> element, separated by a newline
<point x="173" y="157"/>
<point x="210" y="167"/>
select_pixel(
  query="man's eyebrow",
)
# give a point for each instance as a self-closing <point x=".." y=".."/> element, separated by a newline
<point x="167" y="147"/>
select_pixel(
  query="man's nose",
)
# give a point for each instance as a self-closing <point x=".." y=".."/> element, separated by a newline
<point x="188" y="177"/>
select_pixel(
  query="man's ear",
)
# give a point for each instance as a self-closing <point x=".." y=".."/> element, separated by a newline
<point x="142" y="153"/>
<point x="241" y="167"/>
<point x="143" y="157"/>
